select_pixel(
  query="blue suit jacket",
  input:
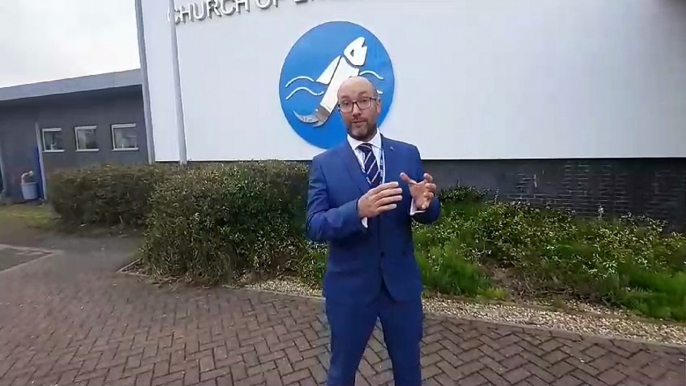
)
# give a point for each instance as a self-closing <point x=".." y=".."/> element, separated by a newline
<point x="361" y="259"/>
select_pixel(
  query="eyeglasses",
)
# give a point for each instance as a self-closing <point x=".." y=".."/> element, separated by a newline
<point x="362" y="104"/>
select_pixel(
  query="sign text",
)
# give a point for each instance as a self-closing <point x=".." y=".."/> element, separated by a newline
<point x="208" y="9"/>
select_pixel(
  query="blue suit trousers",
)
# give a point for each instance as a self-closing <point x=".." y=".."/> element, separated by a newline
<point x="352" y="325"/>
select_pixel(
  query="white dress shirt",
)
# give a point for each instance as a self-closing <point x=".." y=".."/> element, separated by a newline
<point x="376" y="150"/>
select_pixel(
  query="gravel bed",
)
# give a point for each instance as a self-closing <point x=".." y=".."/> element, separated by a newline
<point x="585" y="319"/>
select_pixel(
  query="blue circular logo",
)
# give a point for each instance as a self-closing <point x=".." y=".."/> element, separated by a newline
<point x="315" y="67"/>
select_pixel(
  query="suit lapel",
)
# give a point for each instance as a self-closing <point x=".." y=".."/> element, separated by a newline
<point x="353" y="166"/>
<point x="394" y="164"/>
<point x="391" y="159"/>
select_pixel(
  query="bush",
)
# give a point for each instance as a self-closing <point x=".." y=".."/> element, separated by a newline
<point x="106" y="195"/>
<point x="312" y="267"/>
<point x="657" y="294"/>
<point x="446" y="270"/>
<point x="215" y="222"/>
<point x="627" y="262"/>
<point x="461" y="194"/>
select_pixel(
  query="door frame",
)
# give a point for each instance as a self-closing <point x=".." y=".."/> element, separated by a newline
<point x="3" y="175"/>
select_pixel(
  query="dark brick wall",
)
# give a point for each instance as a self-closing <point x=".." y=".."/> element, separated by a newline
<point x="651" y="187"/>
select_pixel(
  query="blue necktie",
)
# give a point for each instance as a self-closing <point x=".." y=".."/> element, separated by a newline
<point x="371" y="167"/>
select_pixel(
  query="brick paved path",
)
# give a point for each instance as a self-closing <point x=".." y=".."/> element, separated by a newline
<point x="67" y="319"/>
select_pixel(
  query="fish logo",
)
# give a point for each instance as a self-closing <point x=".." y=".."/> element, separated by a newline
<point x="316" y="66"/>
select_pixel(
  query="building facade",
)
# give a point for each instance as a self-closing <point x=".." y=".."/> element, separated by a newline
<point x="568" y="103"/>
<point x="70" y="123"/>
<point x="579" y="104"/>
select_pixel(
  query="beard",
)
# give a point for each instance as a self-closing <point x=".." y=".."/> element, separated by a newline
<point x="362" y="132"/>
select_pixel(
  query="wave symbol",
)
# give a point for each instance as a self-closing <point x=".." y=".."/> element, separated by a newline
<point x="298" y="78"/>
<point x="370" y="72"/>
<point x="304" y="89"/>
<point x="314" y="93"/>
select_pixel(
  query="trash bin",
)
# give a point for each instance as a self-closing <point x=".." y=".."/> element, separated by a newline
<point x="29" y="187"/>
<point x="29" y="190"/>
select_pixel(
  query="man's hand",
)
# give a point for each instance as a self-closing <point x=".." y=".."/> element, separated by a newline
<point x="379" y="200"/>
<point x="422" y="192"/>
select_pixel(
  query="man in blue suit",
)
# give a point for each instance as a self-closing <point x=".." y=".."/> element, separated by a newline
<point x="363" y="196"/>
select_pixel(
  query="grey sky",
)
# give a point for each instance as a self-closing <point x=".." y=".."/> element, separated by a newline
<point x="46" y="40"/>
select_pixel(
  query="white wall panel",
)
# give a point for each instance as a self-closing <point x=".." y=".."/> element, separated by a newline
<point x="487" y="79"/>
<point x="160" y="79"/>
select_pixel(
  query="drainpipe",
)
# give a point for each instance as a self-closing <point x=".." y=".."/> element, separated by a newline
<point x="181" y="130"/>
<point x="146" y="88"/>
<point x="41" y="165"/>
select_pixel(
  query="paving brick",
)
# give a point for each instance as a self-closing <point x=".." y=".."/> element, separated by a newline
<point x="612" y="377"/>
<point x="469" y="368"/>
<point x="555" y="356"/>
<point x="514" y="362"/>
<point x="568" y="380"/>
<point x="494" y="378"/>
<point x="595" y="351"/>
<point x="516" y="375"/>
<point x="587" y="379"/>
<point x="539" y="372"/>
<point x="472" y="380"/>
<point x="536" y="381"/>
<point x="493" y="365"/>
<point x="91" y="327"/>
<point x="511" y="350"/>
<point x="560" y="369"/>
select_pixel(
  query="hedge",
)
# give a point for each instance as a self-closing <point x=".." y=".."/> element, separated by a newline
<point x="106" y="195"/>
<point x="214" y="223"/>
<point x="626" y="262"/>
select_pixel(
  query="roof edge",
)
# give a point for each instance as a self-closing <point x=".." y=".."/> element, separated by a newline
<point x="72" y="85"/>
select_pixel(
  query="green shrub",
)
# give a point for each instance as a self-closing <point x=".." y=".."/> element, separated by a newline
<point x="217" y="221"/>
<point x="515" y="234"/>
<point x="461" y="194"/>
<point x="446" y="270"/>
<point x="628" y="262"/>
<point x="312" y="267"/>
<point x="612" y="250"/>
<point x="655" y="294"/>
<point x="106" y="195"/>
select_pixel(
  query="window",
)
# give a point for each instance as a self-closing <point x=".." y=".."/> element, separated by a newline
<point x="124" y="137"/>
<point x="53" y="140"/>
<point x="86" y="139"/>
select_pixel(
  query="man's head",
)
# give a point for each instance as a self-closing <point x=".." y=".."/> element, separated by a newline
<point x="360" y="107"/>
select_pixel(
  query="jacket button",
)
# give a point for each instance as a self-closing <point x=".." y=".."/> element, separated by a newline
<point x="383" y="254"/>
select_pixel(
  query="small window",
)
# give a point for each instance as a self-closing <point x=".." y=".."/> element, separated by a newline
<point x="53" y="140"/>
<point x="86" y="139"/>
<point x="124" y="137"/>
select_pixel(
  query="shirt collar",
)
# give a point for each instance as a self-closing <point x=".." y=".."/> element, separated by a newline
<point x="375" y="141"/>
